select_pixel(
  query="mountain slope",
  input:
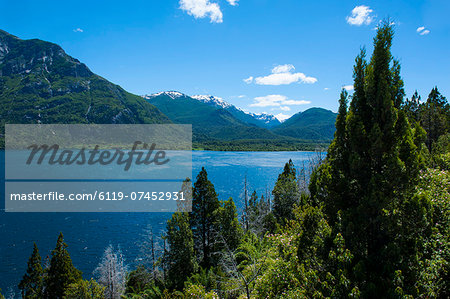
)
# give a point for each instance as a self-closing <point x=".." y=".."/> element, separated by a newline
<point x="262" y="120"/>
<point x="312" y="124"/>
<point x="209" y="122"/>
<point x="40" y="83"/>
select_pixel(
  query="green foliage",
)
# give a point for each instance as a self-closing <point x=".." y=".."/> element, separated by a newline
<point x="305" y="260"/>
<point x="138" y="280"/>
<point x="32" y="282"/>
<point x="84" y="289"/>
<point x="312" y="124"/>
<point x="180" y="259"/>
<point x="287" y="144"/>
<point x="369" y="177"/>
<point x="204" y="218"/>
<point x="228" y="225"/>
<point x="208" y="122"/>
<point x="61" y="272"/>
<point x="243" y="266"/>
<point x="204" y="277"/>
<point x="40" y="83"/>
<point x="434" y="264"/>
<point x="223" y="129"/>
<point x="285" y="194"/>
<point x="440" y="155"/>
<point x="196" y="291"/>
<point x="435" y="117"/>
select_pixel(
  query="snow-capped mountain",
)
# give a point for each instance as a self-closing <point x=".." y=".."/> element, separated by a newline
<point x="265" y="117"/>
<point x="258" y="119"/>
<point x="262" y="120"/>
<point x="171" y="94"/>
<point x="212" y="100"/>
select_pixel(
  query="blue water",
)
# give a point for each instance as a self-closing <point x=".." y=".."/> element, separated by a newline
<point x="87" y="234"/>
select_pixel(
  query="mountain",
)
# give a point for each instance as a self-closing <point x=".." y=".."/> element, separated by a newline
<point x="262" y="120"/>
<point x="40" y="83"/>
<point x="312" y="124"/>
<point x="209" y="121"/>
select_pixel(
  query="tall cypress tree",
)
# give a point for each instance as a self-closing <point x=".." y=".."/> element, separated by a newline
<point x="368" y="178"/>
<point x="203" y="219"/>
<point x="61" y="272"/>
<point x="31" y="284"/>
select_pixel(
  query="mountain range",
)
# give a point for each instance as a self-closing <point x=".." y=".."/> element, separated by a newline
<point x="40" y="83"/>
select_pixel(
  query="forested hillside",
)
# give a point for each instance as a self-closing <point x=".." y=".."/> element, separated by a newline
<point x="312" y="124"/>
<point x="40" y="83"/>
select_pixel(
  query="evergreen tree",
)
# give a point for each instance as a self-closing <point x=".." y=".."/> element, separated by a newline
<point x="31" y="284"/>
<point x="412" y="107"/>
<point x="370" y="172"/>
<point x="229" y="227"/>
<point x="203" y="219"/>
<point x="435" y="117"/>
<point x="180" y="258"/>
<point x="139" y="280"/>
<point x="61" y="272"/>
<point x="285" y="194"/>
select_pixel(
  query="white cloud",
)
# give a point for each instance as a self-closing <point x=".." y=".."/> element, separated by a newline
<point x="422" y="30"/>
<point x="78" y="30"/>
<point x="276" y="100"/>
<point x="285" y="108"/>
<point x="326" y="88"/>
<point x="294" y="102"/>
<point x="233" y="2"/>
<point x="202" y="9"/>
<point x="248" y="80"/>
<point x="360" y="15"/>
<point x="282" y="117"/>
<point x="348" y="87"/>
<point x="282" y="75"/>
<point x="284" y="68"/>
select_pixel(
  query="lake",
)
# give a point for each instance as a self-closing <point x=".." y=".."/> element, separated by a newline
<point x="87" y="234"/>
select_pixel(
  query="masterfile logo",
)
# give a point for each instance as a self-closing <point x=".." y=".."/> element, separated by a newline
<point x="97" y="168"/>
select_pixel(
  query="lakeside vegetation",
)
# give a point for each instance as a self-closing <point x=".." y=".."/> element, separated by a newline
<point x="374" y="221"/>
<point x="261" y="145"/>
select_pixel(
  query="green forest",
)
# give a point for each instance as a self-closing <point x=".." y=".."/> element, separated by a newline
<point x="373" y="221"/>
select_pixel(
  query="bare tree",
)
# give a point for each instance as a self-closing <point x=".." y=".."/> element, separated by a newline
<point x="112" y="272"/>
<point x="306" y="169"/>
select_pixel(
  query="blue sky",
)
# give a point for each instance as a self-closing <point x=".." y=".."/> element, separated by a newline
<point x="275" y="56"/>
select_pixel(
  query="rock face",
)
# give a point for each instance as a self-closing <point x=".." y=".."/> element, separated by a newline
<point x="40" y="83"/>
<point x="35" y="56"/>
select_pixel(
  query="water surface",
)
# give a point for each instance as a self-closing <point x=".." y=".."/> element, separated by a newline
<point x="87" y="234"/>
